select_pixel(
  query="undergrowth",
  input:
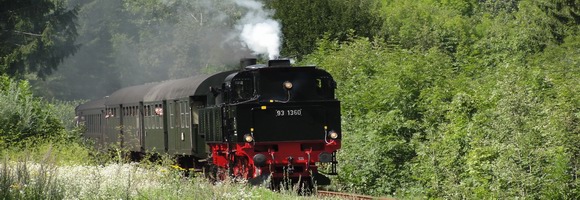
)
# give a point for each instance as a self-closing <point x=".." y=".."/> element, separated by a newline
<point x="73" y="171"/>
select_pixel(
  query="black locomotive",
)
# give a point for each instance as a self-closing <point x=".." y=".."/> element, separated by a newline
<point x="272" y="120"/>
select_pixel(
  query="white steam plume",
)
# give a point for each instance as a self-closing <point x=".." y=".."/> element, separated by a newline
<point x="258" y="31"/>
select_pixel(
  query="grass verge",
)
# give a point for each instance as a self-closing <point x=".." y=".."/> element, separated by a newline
<point x="69" y="172"/>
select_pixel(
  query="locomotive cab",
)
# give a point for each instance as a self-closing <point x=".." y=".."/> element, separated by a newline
<point x="279" y="83"/>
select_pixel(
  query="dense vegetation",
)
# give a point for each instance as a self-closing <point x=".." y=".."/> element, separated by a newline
<point x="460" y="99"/>
<point x="440" y="98"/>
<point x="27" y="120"/>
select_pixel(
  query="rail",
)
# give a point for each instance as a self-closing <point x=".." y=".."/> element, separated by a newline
<point x="324" y="193"/>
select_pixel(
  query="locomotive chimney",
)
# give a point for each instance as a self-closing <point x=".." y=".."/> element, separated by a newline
<point x="279" y="63"/>
<point x="244" y="62"/>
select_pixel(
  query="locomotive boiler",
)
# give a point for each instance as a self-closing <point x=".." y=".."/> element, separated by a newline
<point x="273" y="121"/>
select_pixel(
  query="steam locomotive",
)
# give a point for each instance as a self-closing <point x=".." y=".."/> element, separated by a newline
<point x="261" y="122"/>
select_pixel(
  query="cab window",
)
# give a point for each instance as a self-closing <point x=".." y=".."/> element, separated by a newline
<point x="242" y="90"/>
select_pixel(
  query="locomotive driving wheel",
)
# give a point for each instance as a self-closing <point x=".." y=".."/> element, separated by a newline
<point x="222" y="174"/>
<point x="241" y="168"/>
<point x="215" y="173"/>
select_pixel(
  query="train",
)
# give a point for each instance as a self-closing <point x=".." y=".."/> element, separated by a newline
<point x="260" y="122"/>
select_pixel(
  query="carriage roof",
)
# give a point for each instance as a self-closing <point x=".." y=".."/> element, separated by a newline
<point x="94" y="104"/>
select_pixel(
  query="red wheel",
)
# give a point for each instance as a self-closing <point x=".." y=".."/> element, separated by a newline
<point x="221" y="174"/>
<point x="215" y="173"/>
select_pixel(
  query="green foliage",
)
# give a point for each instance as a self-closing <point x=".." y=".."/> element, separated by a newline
<point x="304" y="21"/>
<point x="565" y="13"/>
<point x="24" y="118"/>
<point x="380" y="88"/>
<point x="427" y="24"/>
<point x="496" y="142"/>
<point x="61" y="153"/>
<point x="494" y="116"/>
<point x="65" y="111"/>
<point x="35" y="37"/>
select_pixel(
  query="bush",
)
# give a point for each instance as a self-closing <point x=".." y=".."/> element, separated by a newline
<point x="25" y="119"/>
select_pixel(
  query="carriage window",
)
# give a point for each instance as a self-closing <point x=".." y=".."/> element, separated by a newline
<point x="153" y="117"/>
<point x="184" y="114"/>
<point x="156" y="115"/>
<point x="145" y="117"/>
<point x="110" y="113"/>
<point x="158" y="110"/>
<point x="180" y="115"/>
<point x="186" y="110"/>
<point x="194" y="111"/>
<point x="148" y="120"/>
<point x="171" y="115"/>
<point x="159" y="116"/>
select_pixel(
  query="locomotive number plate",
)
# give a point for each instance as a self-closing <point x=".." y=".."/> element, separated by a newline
<point x="289" y="112"/>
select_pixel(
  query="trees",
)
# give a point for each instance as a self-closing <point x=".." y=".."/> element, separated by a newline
<point x="382" y="90"/>
<point x="475" y="100"/>
<point x="305" y="21"/>
<point x="35" y="36"/>
<point x="91" y="68"/>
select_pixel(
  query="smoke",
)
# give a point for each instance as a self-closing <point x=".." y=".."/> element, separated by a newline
<point x="128" y="42"/>
<point x="258" y="31"/>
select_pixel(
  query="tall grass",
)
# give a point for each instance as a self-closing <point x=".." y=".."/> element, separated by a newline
<point x="28" y="180"/>
<point x="50" y="177"/>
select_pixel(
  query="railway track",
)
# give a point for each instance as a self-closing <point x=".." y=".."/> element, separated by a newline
<point x="324" y="193"/>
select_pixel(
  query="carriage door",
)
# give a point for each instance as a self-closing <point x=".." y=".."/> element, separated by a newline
<point x="183" y="126"/>
<point x="113" y="119"/>
<point x="198" y="140"/>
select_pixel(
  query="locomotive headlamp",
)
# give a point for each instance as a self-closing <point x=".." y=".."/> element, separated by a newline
<point x="248" y="138"/>
<point x="332" y="134"/>
<point x="287" y="85"/>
